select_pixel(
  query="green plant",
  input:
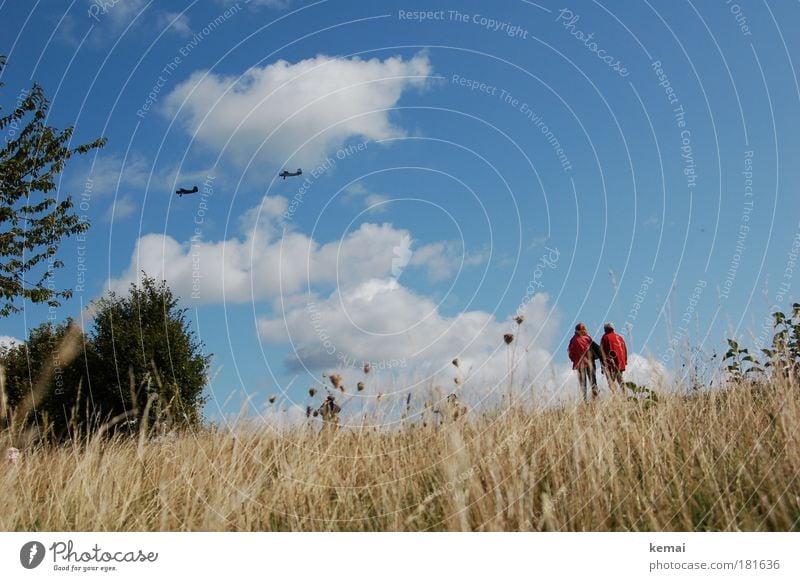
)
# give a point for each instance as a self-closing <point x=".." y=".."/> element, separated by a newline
<point x="33" y="220"/>
<point x="57" y="387"/>
<point x="784" y="355"/>
<point x="147" y="353"/>
<point x="741" y="365"/>
<point x="140" y="363"/>
<point x="640" y="393"/>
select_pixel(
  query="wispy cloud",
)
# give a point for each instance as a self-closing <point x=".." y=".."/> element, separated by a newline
<point x="373" y="202"/>
<point x="120" y="209"/>
<point x="176" y="21"/>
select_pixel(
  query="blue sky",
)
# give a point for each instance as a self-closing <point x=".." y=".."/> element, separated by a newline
<point x="602" y="161"/>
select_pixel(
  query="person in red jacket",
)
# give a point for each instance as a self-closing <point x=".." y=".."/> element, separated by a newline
<point x="582" y="351"/>
<point x="614" y="356"/>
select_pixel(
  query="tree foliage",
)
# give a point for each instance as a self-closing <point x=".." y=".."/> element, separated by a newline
<point x="146" y="350"/>
<point x="34" y="218"/>
<point x="64" y="401"/>
<point x="141" y="362"/>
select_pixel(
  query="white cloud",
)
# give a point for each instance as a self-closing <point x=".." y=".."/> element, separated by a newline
<point x="374" y="203"/>
<point x="264" y="263"/>
<point x="109" y="20"/>
<point x="270" y="260"/>
<point x="647" y="371"/>
<point x="316" y="105"/>
<point x="342" y="302"/>
<point x="107" y="174"/>
<point x="443" y="259"/>
<point x="121" y="209"/>
<point x="8" y="341"/>
<point x="276" y="4"/>
<point x="392" y="326"/>
<point x="119" y="14"/>
<point x="653" y="221"/>
<point x="126" y="181"/>
<point x="177" y="22"/>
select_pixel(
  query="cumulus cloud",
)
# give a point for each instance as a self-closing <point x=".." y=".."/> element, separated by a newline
<point x="268" y="260"/>
<point x="8" y="341"/>
<point x="393" y="327"/>
<point x="338" y="304"/>
<point x="313" y="106"/>
<point x="444" y="259"/>
<point x="647" y="371"/>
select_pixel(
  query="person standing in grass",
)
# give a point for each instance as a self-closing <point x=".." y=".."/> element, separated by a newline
<point x="582" y="352"/>
<point x="614" y="356"/>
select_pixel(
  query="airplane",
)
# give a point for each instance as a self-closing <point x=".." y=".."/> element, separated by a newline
<point x="183" y="191"/>
<point x="290" y="174"/>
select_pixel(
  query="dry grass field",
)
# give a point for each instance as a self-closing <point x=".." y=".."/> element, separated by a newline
<point x="720" y="461"/>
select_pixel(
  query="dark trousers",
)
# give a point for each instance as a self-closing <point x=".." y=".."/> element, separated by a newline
<point x="614" y="377"/>
<point x="587" y="375"/>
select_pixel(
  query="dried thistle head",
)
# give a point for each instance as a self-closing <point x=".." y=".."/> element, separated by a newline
<point x="12" y="454"/>
<point x="272" y="398"/>
<point x="457" y="381"/>
<point x="455" y="362"/>
<point x="312" y="391"/>
<point x="336" y="381"/>
<point x="519" y="319"/>
<point x="508" y="338"/>
<point x="360" y="386"/>
<point x="379" y="396"/>
<point x="367" y="367"/>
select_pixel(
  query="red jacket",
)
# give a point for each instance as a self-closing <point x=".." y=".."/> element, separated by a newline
<point x="614" y="349"/>
<point x="579" y="351"/>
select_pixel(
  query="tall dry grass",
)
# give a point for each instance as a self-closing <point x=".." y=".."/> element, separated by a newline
<point x="726" y="460"/>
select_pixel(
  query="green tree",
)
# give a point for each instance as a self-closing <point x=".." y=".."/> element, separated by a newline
<point x="146" y="351"/>
<point x="141" y="355"/>
<point x="57" y="385"/>
<point x="33" y="220"/>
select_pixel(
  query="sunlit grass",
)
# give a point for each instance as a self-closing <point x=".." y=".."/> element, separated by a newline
<point x="724" y="460"/>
